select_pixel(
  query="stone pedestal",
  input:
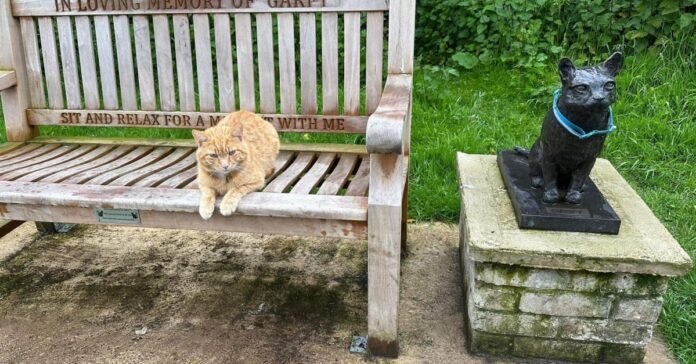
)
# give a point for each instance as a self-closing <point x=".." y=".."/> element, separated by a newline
<point x="560" y="295"/>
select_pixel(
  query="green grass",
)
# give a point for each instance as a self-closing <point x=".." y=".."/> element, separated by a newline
<point x="496" y="107"/>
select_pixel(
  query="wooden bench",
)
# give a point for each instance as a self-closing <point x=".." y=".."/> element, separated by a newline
<point x="187" y="63"/>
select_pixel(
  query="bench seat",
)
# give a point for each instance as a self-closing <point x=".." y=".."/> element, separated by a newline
<point x="321" y="183"/>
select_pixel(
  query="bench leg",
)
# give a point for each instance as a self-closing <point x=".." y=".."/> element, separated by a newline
<point x="404" y="222"/>
<point x="48" y="228"/>
<point x="385" y="223"/>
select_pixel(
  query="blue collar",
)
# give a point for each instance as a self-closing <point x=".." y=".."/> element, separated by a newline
<point x="574" y="129"/>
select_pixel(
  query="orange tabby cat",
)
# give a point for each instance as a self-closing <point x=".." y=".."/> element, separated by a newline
<point x="234" y="159"/>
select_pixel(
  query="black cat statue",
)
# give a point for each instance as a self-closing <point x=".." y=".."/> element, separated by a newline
<point x="572" y="136"/>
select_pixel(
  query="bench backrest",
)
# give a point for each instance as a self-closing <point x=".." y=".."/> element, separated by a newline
<point x="186" y="63"/>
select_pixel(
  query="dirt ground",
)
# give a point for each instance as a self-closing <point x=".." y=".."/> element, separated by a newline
<point x="219" y="298"/>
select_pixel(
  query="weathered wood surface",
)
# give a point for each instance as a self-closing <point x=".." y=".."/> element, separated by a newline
<point x="337" y="179"/>
<point x="10" y="148"/>
<point x="32" y="54"/>
<point x="313" y="177"/>
<point x="162" y="199"/>
<point x="293" y="173"/>
<point x="204" y="63"/>
<point x="12" y="57"/>
<point x="351" y="64"/>
<point x="124" y="58"/>
<point x="374" y="61"/>
<point x="266" y="59"/>
<point x="402" y="30"/>
<point x="184" y="65"/>
<point x="245" y="62"/>
<point x="329" y="54"/>
<point x="83" y="7"/>
<point x="143" y="53"/>
<point x="49" y="52"/>
<point x="28" y="152"/>
<point x="88" y="65"/>
<point x="308" y="63"/>
<point x="7" y="79"/>
<point x="387" y="180"/>
<point x="165" y="67"/>
<point x="191" y="221"/>
<point x="225" y="62"/>
<point x="286" y="54"/>
<point x="68" y="58"/>
<point x="192" y="120"/>
<point x="387" y="126"/>
<point x="107" y="68"/>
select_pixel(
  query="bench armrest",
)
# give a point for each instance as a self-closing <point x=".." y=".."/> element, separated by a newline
<point x="386" y="127"/>
<point x="7" y="79"/>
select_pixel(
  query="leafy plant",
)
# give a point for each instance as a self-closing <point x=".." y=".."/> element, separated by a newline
<point x="529" y="33"/>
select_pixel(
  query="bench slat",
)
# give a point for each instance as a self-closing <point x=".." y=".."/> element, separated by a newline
<point x="170" y="171"/>
<point x="204" y="63"/>
<point x="88" y="67"/>
<point x="50" y="62"/>
<point x="86" y="175"/>
<point x="165" y="69"/>
<point x="163" y="199"/>
<point x="351" y="71"/>
<point x="374" y="61"/>
<point x="266" y="58"/>
<point x="57" y="156"/>
<point x="281" y="183"/>
<point x="68" y="58"/>
<point x="124" y="58"/>
<point x="151" y="157"/>
<point x="312" y="178"/>
<point x="67" y="164"/>
<point x="182" y="180"/>
<point x="184" y="66"/>
<point x="36" y="156"/>
<point x="32" y="55"/>
<point x="107" y="68"/>
<point x="245" y="62"/>
<point x="140" y="173"/>
<point x="308" y="60"/>
<point x="286" y="63"/>
<point x="335" y="181"/>
<point x="114" y="154"/>
<point x="225" y="63"/>
<point x="281" y="162"/>
<point x="358" y="186"/>
<point x="329" y="54"/>
<point x="11" y="151"/>
<point x="143" y="54"/>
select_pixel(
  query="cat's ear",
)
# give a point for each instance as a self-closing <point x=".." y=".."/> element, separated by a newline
<point x="238" y="131"/>
<point x="199" y="136"/>
<point x="566" y="69"/>
<point x="613" y="64"/>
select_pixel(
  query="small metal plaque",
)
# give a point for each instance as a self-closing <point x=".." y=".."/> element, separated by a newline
<point x="117" y="216"/>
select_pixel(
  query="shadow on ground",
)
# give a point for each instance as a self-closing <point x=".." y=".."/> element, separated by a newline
<point x="208" y="297"/>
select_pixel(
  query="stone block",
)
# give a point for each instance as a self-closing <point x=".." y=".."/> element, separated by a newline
<point x="623" y="354"/>
<point x="514" y="324"/>
<point x="530" y="347"/>
<point x="495" y="298"/>
<point x="607" y="331"/>
<point x="565" y="304"/>
<point x="635" y="284"/>
<point x="485" y="343"/>
<point x="638" y="309"/>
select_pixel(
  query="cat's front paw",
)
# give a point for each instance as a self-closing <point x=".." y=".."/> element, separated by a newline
<point x="574" y="197"/>
<point x="551" y="196"/>
<point x="206" y="211"/>
<point x="228" y="207"/>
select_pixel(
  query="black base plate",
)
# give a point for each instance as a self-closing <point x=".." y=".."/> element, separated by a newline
<point x="593" y="215"/>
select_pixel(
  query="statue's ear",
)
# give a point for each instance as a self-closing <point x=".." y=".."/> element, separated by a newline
<point x="199" y="136"/>
<point x="566" y="69"/>
<point x="613" y="64"/>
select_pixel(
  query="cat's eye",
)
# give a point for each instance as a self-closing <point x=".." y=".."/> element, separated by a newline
<point x="232" y="152"/>
<point x="580" y="88"/>
<point x="212" y="155"/>
<point x="610" y="86"/>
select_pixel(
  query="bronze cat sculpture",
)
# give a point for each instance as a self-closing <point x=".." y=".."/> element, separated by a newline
<point x="574" y="130"/>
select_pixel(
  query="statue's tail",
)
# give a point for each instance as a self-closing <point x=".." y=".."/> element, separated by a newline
<point x="522" y="151"/>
